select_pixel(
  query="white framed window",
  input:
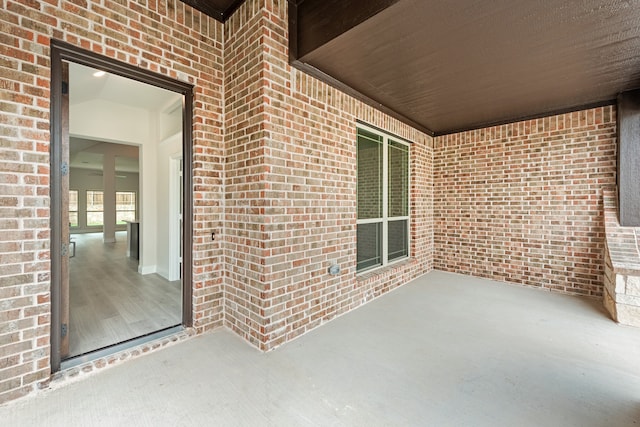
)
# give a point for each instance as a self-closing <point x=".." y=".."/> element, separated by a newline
<point x="95" y="208"/>
<point x="73" y="208"/>
<point x="125" y="206"/>
<point x="383" y="199"/>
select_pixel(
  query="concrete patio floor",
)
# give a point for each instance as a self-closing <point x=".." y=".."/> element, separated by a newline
<point x="444" y="350"/>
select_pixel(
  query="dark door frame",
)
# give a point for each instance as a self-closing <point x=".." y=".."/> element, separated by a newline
<point x="62" y="51"/>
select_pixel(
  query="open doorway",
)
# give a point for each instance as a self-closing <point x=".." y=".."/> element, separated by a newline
<point x="119" y="272"/>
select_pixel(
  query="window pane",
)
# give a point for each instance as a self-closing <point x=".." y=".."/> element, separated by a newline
<point x="125" y="201"/>
<point x="73" y="208"/>
<point x="398" y="185"/>
<point x="73" y="219"/>
<point x="369" y="175"/>
<point x="94" y="218"/>
<point x="123" y="216"/>
<point x="95" y="208"/>
<point x="398" y="239"/>
<point x="94" y="201"/>
<point x="125" y="206"/>
<point x="369" y="245"/>
<point x="73" y="200"/>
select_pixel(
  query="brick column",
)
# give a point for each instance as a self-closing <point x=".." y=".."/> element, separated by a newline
<point x="291" y="188"/>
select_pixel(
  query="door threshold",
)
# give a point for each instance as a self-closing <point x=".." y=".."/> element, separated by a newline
<point x="81" y="359"/>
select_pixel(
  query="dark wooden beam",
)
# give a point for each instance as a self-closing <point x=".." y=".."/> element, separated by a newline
<point x="629" y="158"/>
<point x="320" y="21"/>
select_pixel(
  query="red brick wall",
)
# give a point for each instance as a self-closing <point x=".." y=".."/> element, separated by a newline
<point x="275" y="178"/>
<point x="291" y="181"/>
<point x="166" y="37"/>
<point x="245" y="183"/>
<point x="274" y="172"/>
<point x="523" y="202"/>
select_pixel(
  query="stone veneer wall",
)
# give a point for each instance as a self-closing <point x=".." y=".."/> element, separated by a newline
<point x="522" y="202"/>
<point x="622" y="266"/>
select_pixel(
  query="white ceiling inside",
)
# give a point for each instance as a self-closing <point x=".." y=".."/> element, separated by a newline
<point x="84" y="87"/>
<point x="89" y="154"/>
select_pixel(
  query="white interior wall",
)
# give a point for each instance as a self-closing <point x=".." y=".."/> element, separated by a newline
<point x="149" y="208"/>
<point x="113" y="122"/>
<point x="168" y="149"/>
<point x="109" y="121"/>
<point x="171" y="120"/>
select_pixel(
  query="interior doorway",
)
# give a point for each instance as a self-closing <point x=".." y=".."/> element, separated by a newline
<point x="119" y="273"/>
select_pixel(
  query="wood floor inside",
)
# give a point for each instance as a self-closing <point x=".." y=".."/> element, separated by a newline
<point x="110" y="302"/>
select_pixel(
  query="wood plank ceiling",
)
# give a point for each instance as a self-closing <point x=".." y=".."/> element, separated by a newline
<point x="450" y="65"/>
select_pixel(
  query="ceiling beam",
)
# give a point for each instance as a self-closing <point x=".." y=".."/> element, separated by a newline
<point x="628" y="114"/>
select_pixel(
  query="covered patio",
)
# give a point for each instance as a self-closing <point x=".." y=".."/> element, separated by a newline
<point x="444" y="350"/>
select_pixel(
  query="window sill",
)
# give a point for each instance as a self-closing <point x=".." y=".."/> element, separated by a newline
<point x="381" y="271"/>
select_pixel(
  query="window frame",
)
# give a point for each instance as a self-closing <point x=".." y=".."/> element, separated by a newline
<point x="77" y="211"/>
<point x="87" y="210"/>
<point x="385" y="219"/>
<point x="135" y="206"/>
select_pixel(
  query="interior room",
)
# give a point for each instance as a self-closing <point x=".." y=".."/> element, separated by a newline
<point x="117" y="291"/>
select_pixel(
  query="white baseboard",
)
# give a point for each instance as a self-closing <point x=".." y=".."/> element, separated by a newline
<point x="163" y="272"/>
<point x="147" y="269"/>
